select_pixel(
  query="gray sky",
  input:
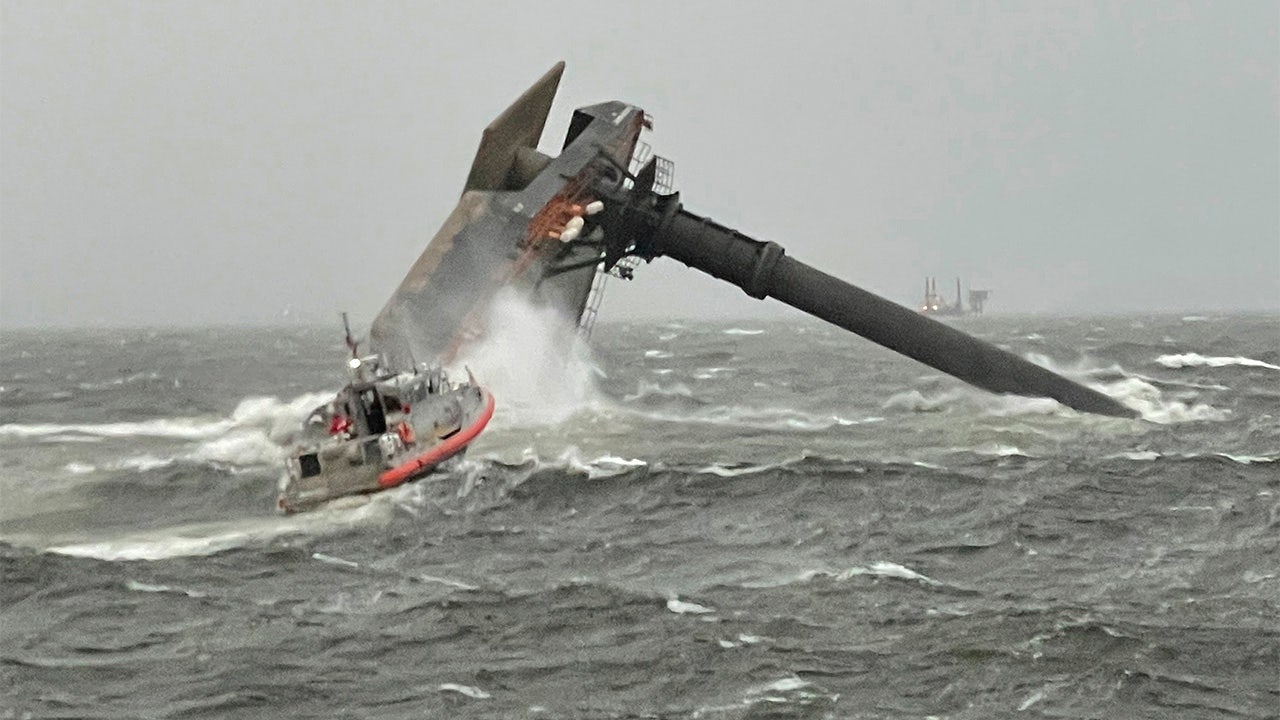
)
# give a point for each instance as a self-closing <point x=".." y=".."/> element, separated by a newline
<point x="220" y="162"/>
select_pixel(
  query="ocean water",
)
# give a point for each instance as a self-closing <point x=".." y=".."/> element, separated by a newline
<point x="686" y="520"/>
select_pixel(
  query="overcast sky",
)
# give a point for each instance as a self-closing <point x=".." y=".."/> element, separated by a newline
<point x="229" y="162"/>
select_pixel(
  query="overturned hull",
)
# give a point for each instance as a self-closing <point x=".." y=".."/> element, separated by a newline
<point x="506" y="228"/>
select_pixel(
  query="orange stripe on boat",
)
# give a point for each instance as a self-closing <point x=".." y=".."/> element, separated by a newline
<point x="441" y="452"/>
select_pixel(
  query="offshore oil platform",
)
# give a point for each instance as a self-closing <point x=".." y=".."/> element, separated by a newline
<point x="935" y="304"/>
<point x="556" y="228"/>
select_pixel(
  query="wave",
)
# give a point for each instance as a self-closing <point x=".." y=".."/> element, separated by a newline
<point x="712" y="373"/>
<point x="271" y="414"/>
<point x="177" y="428"/>
<point x="1147" y="399"/>
<point x="203" y="539"/>
<point x="995" y="449"/>
<point x="470" y="691"/>
<point x="1185" y="360"/>
<point x="678" y="403"/>
<point x="1113" y="372"/>
<point x="1152" y="455"/>
<point x="570" y="460"/>
<point x="884" y="568"/>
<point x="122" y="381"/>
<point x="725" y="470"/>
<point x="987" y="403"/>
<point x="879" y="568"/>
<point x="647" y="390"/>
<point x="791" y="690"/>
<point x="778" y="419"/>
<point x="604" y="466"/>
<point x="683" y="607"/>
<point x="253" y="436"/>
<point x="916" y="401"/>
<point x="1136" y="392"/>
<point x="137" y="586"/>
<point x="140" y="463"/>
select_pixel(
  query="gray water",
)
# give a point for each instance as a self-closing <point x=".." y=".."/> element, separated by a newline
<point x="693" y="520"/>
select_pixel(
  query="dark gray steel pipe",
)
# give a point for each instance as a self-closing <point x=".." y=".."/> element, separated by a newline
<point x="762" y="270"/>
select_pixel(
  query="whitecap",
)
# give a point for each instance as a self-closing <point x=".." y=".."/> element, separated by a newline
<point x="332" y="560"/>
<point x="728" y="471"/>
<point x="659" y="354"/>
<point x="81" y="439"/>
<point x="995" y="449"/>
<point x="770" y="419"/>
<point x="79" y="468"/>
<point x="1153" y="407"/>
<point x="646" y="389"/>
<point x="1009" y="405"/>
<point x="178" y="428"/>
<point x="1250" y="459"/>
<point x="786" y="685"/>
<point x="1184" y="360"/>
<point x="447" y="582"/>
<point x="1140" y="455"/>
<point x="277" y="418"/>
<point x="468" y="690"/>
<point x="710" y="373"/>
<point x="789" y="689"/>
<point x="136" y="586"/>
<point x="605" y="466"/>
<point x="239" y="448"/>
<point x="1121" y="372"/>
<point x="142" y="463"/>
<point x="1034" y="698"/>
<point x="884" y="568"/>
<point x="741" y="331"/>
<point x="211" y="538"/>
<point x="680" y="607"/>
<point x="915" y="401"/>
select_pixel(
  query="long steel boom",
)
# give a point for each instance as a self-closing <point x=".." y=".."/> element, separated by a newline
<point x="659" y="225"/>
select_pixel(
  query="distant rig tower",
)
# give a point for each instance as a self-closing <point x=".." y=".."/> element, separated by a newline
<point x="976" y="300"/>
<point x="934" y="304"/>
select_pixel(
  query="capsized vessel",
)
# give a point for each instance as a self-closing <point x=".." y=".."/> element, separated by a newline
<point x="382" y="429"/>
<point x="551" y="228"/>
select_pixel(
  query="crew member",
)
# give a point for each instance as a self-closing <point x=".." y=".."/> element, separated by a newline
<point x="340" y="424"/>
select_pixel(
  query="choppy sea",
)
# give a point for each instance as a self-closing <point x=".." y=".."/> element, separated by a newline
<point x="687" y="520"/>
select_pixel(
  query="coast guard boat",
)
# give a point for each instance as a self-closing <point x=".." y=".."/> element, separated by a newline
<point x="382" y="429"/>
